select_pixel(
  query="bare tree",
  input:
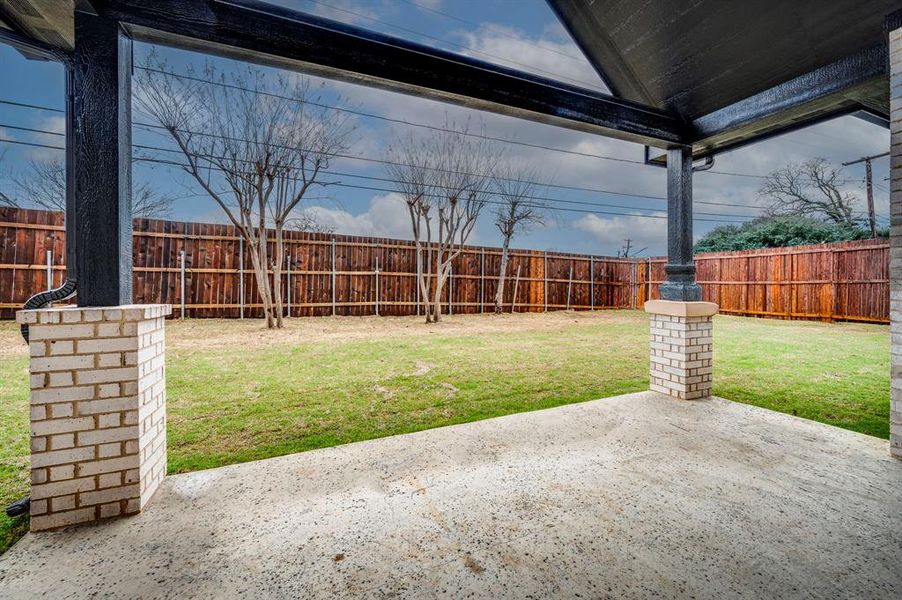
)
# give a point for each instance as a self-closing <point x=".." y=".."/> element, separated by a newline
<point x="517" y="211"/>
<point x="445" y="179"/>
<point x="410" y="163"/>
<point x="307" y="223"/>
<point x="6" y="200"/>
<point x="809" y="189"/>
<point x="265" y="140"/>
<point x="44" y="184"/>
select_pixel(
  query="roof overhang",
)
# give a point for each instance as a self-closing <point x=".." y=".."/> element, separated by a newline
<point x="739" y="72"/>
<point x="272" y="35"/>
<point x="265" y="33"/>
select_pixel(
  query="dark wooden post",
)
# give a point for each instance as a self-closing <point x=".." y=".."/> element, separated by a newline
<point x="103" y="224"/>
<point x="680" y="282"/>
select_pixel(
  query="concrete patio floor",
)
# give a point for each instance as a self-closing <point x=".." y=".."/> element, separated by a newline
<point x="626" y="497"/>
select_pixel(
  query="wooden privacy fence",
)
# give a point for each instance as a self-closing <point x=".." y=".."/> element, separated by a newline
<point x="203" y="270"/>
<point x="846" y="281"/>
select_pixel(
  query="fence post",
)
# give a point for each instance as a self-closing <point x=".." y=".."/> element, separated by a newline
<point x="377" y="286"/>
<point x="450" y="290"/>
<point x="790" y="308"/>
<point x="591" y="283"/>
<point x="288" y="283"/>
<point x="545" y="282"/>
<point x="634" y="284"/>
<point x="569" y="285"/>
<point x="516" y="285"/>
<point x="49" y="270"/>
<point x="482" y="281"/>
<point x="333" y="277"/>
<point x="834" y="297"/>
<point x="241" y="277"/>
<point x="182" y="279"/>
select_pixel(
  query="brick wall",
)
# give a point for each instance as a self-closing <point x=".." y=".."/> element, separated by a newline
<point x="98" y="411"/>
<point x="895" y="55"/>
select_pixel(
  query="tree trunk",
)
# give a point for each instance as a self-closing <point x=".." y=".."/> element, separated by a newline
<point x="439" y="284"/>
<point x="265" y="286"/>
<point x="423" y="282"/>
<point x="259" y="272"/>
<point x="277" y="277"/>
<point x="502" y="274"/>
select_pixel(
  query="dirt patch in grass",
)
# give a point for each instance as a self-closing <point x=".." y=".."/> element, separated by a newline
<point x="249" y="335"/>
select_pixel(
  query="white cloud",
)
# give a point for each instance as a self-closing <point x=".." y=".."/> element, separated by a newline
<point x="386" y="216"/>
<point x="56" y="124"/>
<point x="610" y="233"/>
<point x="550" y="55"/>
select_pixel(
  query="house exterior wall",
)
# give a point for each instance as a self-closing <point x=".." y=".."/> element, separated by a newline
<point x="895" y="59"/>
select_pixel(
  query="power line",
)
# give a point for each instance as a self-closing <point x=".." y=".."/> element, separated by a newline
<point x="391" y="120"/>
<point x="369" y="159"/>
<point x="36" y="145"/>
<point x="526" y="66"/>
<point x="389" y="162"/>
<point x="543" y="206"/>
<point x="383" y="161"/>
<point x="34" y="106"/>
<point x="389" y="180"/>
<point x="349" y="156"/>
<point x="495" y="202"/>
<point x="397" y="121"/>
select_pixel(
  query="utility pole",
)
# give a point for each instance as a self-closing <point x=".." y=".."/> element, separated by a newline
<point x="627" y="249"/>
<point x="627" y="243"/>
<point x="869" y="185"/>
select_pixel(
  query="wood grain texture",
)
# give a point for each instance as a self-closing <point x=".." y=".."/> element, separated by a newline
<point x="844" y="281"/>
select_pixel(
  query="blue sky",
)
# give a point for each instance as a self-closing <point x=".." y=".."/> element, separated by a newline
<point x="522" y="34"/>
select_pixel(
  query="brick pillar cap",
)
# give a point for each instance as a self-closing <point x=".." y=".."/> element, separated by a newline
<point x="126" y="312"/>
<point x="676" y="308"/>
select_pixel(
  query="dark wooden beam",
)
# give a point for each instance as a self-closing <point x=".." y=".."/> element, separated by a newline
<point x="268" y="34"/>
<point x="103" y="229"/>
<point x="833" y="90"/>
<point x="680" y="281"/>
<point x="600" y="50"/>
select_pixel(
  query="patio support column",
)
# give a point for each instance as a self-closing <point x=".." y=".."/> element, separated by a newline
<point x="98" y="411"/>
<point x="680" y="282"/>
<point x="894" y="30"/>
<point x="97" y="370"/>
<point x="681" y="325"/>
<point x="103" y="173"/>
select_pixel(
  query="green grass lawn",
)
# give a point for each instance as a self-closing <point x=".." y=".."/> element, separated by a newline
<point x="238" y="393"/>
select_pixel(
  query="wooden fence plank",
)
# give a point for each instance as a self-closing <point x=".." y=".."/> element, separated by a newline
<point x="842" y="281"/>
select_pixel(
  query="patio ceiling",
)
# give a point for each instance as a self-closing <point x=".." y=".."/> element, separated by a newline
<point x="738" y="71"/>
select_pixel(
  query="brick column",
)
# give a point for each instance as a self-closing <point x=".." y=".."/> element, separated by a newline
<point x="681" y="348"/>
<point x="98" y="411"/>
<point x="895" y="239"/>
